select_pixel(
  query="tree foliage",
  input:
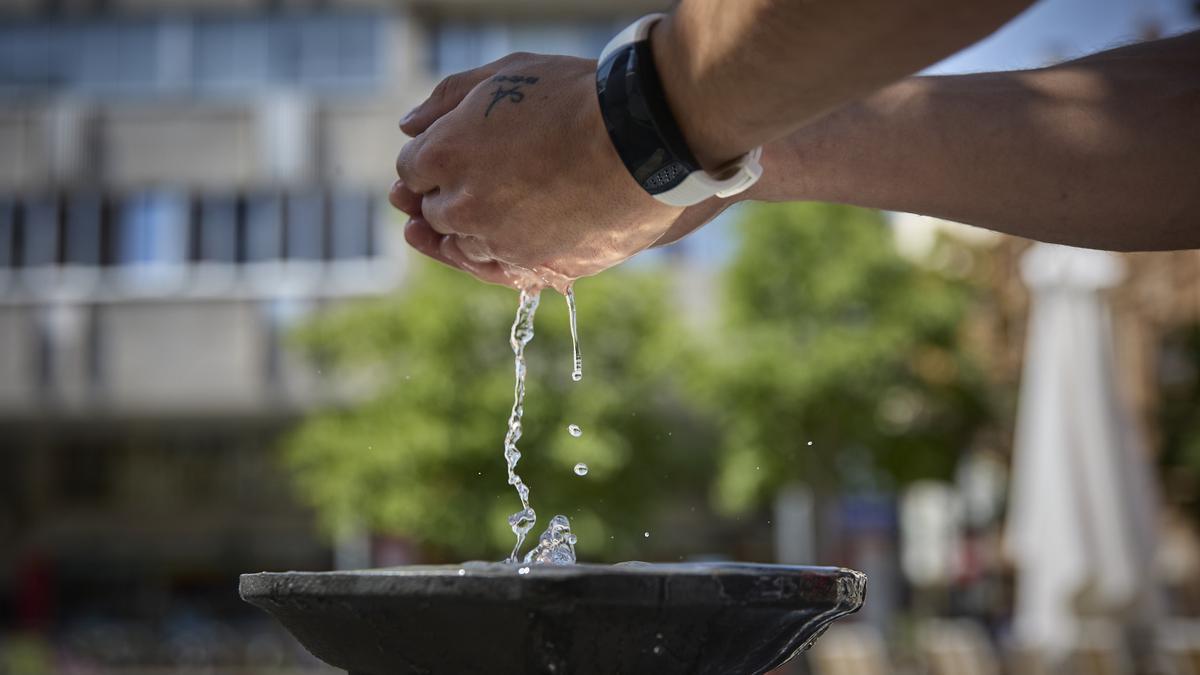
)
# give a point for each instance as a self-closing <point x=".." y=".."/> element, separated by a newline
<point x="843" y="363"/>
<point x="422" y="456"/>
<point x="1177" y="418"/>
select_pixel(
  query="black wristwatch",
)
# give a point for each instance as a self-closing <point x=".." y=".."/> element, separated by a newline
<point x="644" y="132"/>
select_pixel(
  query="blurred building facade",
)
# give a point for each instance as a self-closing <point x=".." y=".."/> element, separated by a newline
<point x="180" y="182"/>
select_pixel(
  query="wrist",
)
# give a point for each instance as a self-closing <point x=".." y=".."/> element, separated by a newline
<point x="645" y="133"/>
<point x="779" y="177"/>
<point x="712" y="140"/>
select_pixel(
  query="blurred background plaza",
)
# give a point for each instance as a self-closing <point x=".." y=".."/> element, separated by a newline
<point x="217" y="357"/>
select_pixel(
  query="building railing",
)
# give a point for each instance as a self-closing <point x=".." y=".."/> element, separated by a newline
<point x="165" y="243"/>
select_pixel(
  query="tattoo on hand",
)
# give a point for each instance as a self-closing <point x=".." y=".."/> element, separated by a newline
<point x="512" y="93"/>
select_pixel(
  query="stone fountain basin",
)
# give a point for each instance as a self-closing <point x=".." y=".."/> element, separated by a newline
<point x="629" y="618"/>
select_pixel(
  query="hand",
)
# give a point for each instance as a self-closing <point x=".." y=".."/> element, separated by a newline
<point x="511" y="176"/>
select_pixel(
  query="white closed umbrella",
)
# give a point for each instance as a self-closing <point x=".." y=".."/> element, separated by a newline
<point x="1081" y="509"/>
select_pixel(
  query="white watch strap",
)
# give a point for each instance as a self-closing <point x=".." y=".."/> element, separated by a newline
<point x="700" y="185"/>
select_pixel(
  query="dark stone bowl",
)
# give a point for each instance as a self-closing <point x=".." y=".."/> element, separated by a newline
<point x="620" y="619"/>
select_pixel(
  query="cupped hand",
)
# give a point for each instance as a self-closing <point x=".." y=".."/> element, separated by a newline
<point x="511" y="176"/>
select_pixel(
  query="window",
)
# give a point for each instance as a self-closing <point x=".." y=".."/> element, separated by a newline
<point x="26" y="55"/>
<point x="207" y="53"/>
<point x="264" y="229"/>
<point x="325" y="50"/>
<point x="40" y="241"/>
<point x="218" y="230"/>
<point x="350" y="230"/>
<point x="117" y="55"/>
<point x="358" y="49"/>
<point x="152" y="236"/>
<point x="7" y="230"/>
<point x="83" y="230"/>
<point x="84" y="471"/>
<point x="459" y="45"/>
<point x="229" y="54"/>
<point x="306" y="226"/>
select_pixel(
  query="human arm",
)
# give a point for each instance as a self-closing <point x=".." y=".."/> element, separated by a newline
<point x="1100" y="152"/>
<point x="528" y="190"/>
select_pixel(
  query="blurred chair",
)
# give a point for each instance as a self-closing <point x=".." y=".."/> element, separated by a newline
<point x="1179" y="645"/>
<point x="849" y="649"/>
<point x="1100" y="650"/>
<point x="956" y="647"/>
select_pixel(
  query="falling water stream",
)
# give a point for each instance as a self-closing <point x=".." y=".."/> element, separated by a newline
<point x="557" y="544"/>
<point x="519" y="337"/>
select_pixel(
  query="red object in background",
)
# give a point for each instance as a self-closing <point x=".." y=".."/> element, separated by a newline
<point x="35" y="593"/>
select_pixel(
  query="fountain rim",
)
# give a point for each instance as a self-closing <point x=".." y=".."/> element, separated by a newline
<point x="844" y="588"/>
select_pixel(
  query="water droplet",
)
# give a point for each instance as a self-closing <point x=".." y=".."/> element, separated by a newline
<point x="581" y="469"/>
<point x="462" y="572"/>
<point x="810" y="442"/>
<point x="646" y="534"/>
<point x="658" y="636"/>
<point x="575" y="430"/>
<point x="572" y="539"/>
<point x="658" y="650"/>
<point x="523" y="570"/>
<point x="577" y="375"/>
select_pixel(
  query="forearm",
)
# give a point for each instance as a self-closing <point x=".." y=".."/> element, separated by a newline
<point x="740" y="74"/>
<point x="1102" y="152"/>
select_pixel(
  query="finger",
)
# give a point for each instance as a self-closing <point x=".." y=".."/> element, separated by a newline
<point x="405" y="199"/>
<point x="445" y="97"/>
<point x="435" y="211"/>
<point x="412" y="170"/>
<point x="491" y="271"/>
<point x="444" y="249"/>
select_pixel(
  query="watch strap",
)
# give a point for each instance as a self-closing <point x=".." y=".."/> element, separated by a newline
<point x="644" y="131"/>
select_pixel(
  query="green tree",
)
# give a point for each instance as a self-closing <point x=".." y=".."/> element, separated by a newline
<point x="421" y="455"/>
<point x="842" y="363"/>
<point x="1179" y="389"/>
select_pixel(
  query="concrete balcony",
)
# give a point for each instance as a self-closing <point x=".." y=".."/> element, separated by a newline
<point x="210" y="147"/>
<point x="155" y="359"/>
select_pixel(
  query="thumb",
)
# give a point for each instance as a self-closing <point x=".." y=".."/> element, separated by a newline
<point x="445" y="97"/>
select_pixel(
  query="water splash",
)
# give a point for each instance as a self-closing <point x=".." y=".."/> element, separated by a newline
<point x="577" y="370"/>
<point x="522" y="332"/>
<point x="556" y="546"/>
